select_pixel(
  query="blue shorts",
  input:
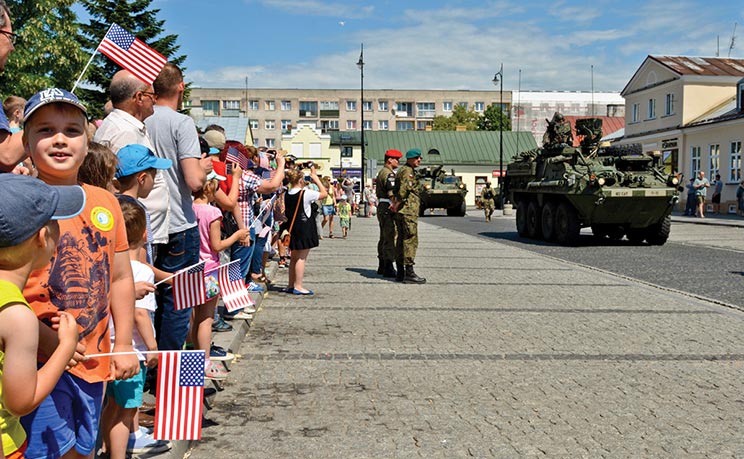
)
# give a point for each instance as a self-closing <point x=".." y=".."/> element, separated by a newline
<point x="329" y="210"/>
<point x="68" y="418"/>
<point x="128" y="392"/>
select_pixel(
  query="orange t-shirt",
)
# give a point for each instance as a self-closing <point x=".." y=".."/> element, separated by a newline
<point x="78" y="278"/>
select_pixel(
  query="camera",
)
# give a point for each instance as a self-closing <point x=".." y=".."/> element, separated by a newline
<point x="271" y="154"/>
<point x="306" y="165"/>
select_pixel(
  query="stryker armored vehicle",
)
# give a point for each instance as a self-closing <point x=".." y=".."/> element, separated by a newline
<point x="439" y="190"/>
<point x="617" y="191"/>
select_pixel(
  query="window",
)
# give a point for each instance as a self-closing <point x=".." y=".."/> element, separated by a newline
<point x="695" y="163"/>
<point x="286" y="125"/>
<point x="636" y="116"/>
<point x="211" y="107"/>
<point x="256" y="142"/>
<point x="447" y="106"/>
<point x="479" y="107"/>
<point x="404" y="125"/>
<point x="714" y="159"/>
<point x="269" y="124"/>
<point x="286" y="105"/>
<point x="351" y="105"/>
<point x="329" y="105"/>
<point x="231" y="104"/>
<point x="425" y="109"/>
<point x="329" y="125"/>
<point x="735" y="162"/>
<point x="463" y="105"/>
<point x="309" y="109"/>
<point x="367" y="105"/>
<point x="367" y="125"/>
<point x="270" y="143"/>
<point x="347" y="152"/>
<point x="669" y="104"/>
<point x="421" y="125"/>
<point x="382" y="106"/>
<point x="253" y="104"/>
<point x="651" y="109"/>
<point x="254" y="124"/>
<point x="382" y="125"/>
<point x="269" y="105"/>
<point x="351" y="124"/>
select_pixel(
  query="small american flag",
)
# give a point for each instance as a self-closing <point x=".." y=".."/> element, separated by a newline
<point x="234" y="155"/>
<point x="132" y="54"/>
<point x="180" y="395"/>
<point x="232" y="288"/>
<point x="188" y="288"/>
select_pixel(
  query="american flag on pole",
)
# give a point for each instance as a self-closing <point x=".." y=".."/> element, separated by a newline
<point x="234" y="155"/>
<point x="180" y="395"/>
<point x="132" y="54"/>
<point x="188" y="288"/>
<point x="232" y="288"/>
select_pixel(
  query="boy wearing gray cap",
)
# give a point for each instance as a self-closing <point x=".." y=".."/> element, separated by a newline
<point x="26" y="244"/>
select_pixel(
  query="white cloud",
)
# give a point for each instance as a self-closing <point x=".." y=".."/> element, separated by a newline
<point x="319" y="8"/>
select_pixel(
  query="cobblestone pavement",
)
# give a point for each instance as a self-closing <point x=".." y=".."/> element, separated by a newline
<point x="503" y="353"/>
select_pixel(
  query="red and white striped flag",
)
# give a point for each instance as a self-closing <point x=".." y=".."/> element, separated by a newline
<point x="188" y="288"/>
<point x="233" y="155"/>
<point x="180" y="395"/>
<point x="132" y="54"/>
<point x="232" y="287"/>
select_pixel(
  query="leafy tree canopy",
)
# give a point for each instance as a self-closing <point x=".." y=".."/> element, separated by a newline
<point x="490" y="120"/>
<point x="494" y="119"/>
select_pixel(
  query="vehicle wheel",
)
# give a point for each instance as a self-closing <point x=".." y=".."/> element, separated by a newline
<point x="421" y="210"/>
<point x="534" y="220"/>
<point x="522" y="218"/>
<point x="636" y="235"/>
<point x="548" y="221"/>
<point x="599" y="231"/>
<point x="463" y="209"/>
<point x="658" y="233"/>
<point x="615" y="232"/>
<point x="567" y="225"/>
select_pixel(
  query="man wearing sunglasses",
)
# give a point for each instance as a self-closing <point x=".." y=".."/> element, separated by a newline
<point x="11" y="147"/>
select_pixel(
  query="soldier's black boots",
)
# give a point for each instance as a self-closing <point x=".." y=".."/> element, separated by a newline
<point x="380" y="266"/>
<point x="411" y="277"/>
<point x="389" y="270"/>
<point x="400" y="275"/>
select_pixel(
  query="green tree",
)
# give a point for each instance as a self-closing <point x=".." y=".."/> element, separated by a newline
<point x="48" y="52"/>
<point x="460" y="117"/>
<point x="139" y="19"/>
<point x="494" y="119"/>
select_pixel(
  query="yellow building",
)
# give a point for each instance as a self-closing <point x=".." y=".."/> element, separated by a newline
<point x="687" y="108"/>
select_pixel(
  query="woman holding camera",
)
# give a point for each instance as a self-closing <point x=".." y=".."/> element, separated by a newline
<point x="301" y="219"/>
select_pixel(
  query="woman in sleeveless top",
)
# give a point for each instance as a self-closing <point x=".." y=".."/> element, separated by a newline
<point x="303" y="233"/>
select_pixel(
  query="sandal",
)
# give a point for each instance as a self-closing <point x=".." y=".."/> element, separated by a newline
<point x="330" y="235"/>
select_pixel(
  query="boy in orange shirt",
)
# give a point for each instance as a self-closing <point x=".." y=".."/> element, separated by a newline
<point x="89" y="277"/>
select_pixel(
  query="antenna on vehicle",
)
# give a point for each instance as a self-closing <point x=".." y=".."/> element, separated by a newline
<point x="733" y="40"/>
<point x="519" y="107"/>
<point x="592" y="90"/>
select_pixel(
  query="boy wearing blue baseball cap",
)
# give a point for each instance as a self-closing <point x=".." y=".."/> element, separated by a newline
<point x="26" y="244"/>
<point x="89" y="277"/>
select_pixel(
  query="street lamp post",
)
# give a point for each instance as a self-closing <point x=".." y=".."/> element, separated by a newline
<point x="360" y="64"/>
<point x="498" y="78"/>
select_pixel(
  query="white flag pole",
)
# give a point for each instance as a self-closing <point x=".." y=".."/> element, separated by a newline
<point x="179" y="272"/>
<point x="95" y="51"/>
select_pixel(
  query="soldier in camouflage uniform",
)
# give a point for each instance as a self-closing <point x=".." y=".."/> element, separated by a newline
<point x="385" y="197"/>
<point x="486" y="197"/>
<point x="407" y="189"/>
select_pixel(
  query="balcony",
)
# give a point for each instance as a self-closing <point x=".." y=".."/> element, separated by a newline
<point x="426" y="113"/>
<point x="329" y="113"/>
<point x="404" y="114"/>
<point x="308" y="114"/>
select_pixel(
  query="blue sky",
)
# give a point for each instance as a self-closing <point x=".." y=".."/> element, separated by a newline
<point x="437" y="44"/>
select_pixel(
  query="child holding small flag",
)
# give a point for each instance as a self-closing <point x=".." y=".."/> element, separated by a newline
<point x="209" y="219"/>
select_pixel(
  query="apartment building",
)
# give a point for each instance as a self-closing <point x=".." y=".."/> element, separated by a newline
<point x="690" y="109"/>
<point x="274" y="112"/>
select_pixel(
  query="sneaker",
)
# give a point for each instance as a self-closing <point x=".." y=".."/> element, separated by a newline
<point x="242" y="315"/>
<point x="220" y="325"/>
<point x="220" y="353"/>
<point x="214" y="371"/>
<point x="140" y="443"/>
<point x="254" y="287"/>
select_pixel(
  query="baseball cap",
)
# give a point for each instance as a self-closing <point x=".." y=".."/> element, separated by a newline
<point x="215" y="139"/>
<point x="343" y="196"/>
<point x="50" y="96"/>
<point x="413" y="153"/>
<point x="36" y="203"/>
<point x="135" y="158"/>
<point x="394" y="154"/>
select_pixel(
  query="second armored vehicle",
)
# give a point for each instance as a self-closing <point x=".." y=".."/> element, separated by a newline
<point x="617" y="191"/>
<point x="439" y="190"/>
